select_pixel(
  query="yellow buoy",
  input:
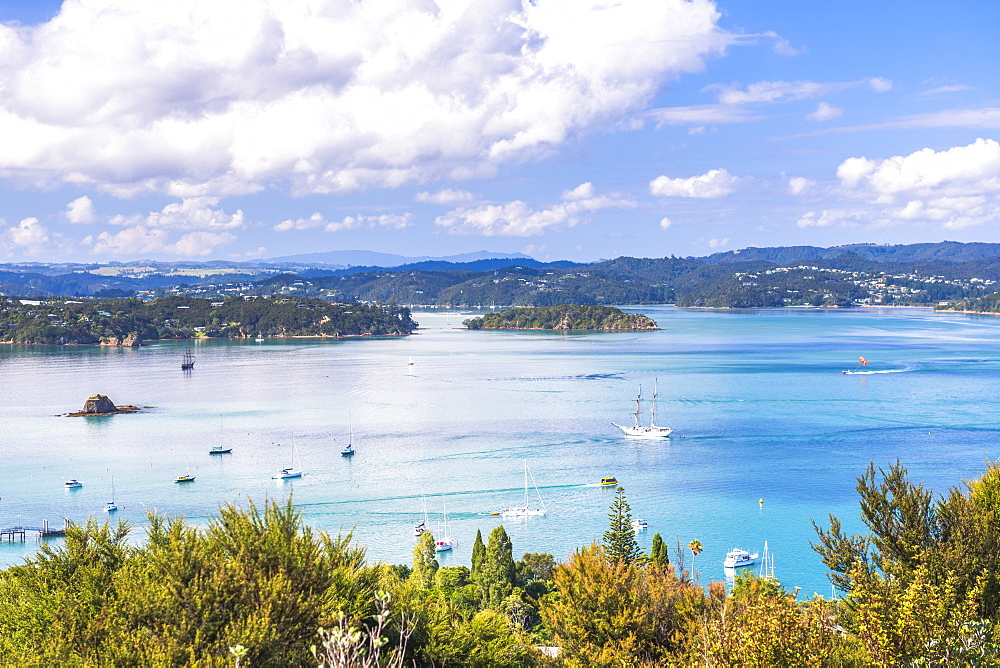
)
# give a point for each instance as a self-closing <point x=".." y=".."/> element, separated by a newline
<point x="761" y="502"/>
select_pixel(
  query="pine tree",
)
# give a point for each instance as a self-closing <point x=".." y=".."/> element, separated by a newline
<point x="478" y="552"/>
<point x="619" y="540"/>
<point x="497" y="572"/>
<point x="425" y="564"/>
<point x="659" y="554"/>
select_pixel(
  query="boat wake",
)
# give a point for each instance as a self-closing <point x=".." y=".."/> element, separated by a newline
<point x="872" y="373"/>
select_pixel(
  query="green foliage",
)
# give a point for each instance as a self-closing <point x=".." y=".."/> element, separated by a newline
<point x="496" y="574"/>
<point x="478" y="552"/>
<point x="619" y="540"/>
<point x="92" y="320"/>
<point x="579" y="317"/>
<point x="659" y="553"/>
<point x="451" y="577"/>
<point x="425" y="563"/>
<point x="254" y="578"/>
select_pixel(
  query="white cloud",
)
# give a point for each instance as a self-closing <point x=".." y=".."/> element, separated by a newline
<point x="28" y="236"/>
<point x="949" y="189"/>
<point x="705" y="114"/>
<point x="208" y="99"/>
<point x="517" y="219"/>
<point x="718" y="243"/>
<point x="81" y="211"/>
<point x="714" y="183"/>
<point x="389" y="221"/>
<point x="942" y="90"/>
<point x="446" y="196"/>
<point x="824" y="112"/>
<point x="142" y="240"/>
<point x="665" y="223"/>
<point x="776" y="91"/>
<point x="799" y="184"/>
<point x="879" y="85"/>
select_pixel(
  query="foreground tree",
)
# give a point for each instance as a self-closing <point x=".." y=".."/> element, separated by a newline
<point x="619" y="540"/>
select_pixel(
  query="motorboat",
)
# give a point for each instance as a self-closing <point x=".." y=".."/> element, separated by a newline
<point x="187" y="477"/>
<point x="73" y="484"/>
<point x="640" y="525"/>
<point x="220" y="450"/>
<point x="639" y="430"/>
<point x="608" y="481"/>
<point x="738" y="558"/>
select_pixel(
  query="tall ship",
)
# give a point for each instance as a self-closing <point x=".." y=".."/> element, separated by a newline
<point x="638" y="430"/>
<point x="188" y="362"/>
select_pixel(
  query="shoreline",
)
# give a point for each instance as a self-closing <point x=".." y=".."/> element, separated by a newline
<point x="217" y="338"/>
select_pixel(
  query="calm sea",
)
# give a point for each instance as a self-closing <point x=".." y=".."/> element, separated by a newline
<point x="757" y="398"/>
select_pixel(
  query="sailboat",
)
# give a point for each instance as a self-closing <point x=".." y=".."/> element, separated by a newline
<point x="526" y="510"/>
<point x="421" y="527"/>
<point x="111" y="506"/>
<point x="444" y="543"/>
<point x="639" y="431"/>
<point x="293" y="471"/>
<point x="188" y="362"/>
<point x="767" y="565"/>
<point x="220" y="449"/>
<point x="348" y="451"/>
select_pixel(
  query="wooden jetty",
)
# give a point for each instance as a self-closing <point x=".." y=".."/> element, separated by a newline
<point x="44" y="531"/>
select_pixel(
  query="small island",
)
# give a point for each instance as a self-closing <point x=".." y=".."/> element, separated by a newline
<point x="565" y="317"/>
<point x="99" y="405"/>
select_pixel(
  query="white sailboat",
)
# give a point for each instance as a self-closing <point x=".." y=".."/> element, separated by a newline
<point x="421" y="526"/>
<point x="111" y="506"/>
<point x="640" y="431"/>
<point x="293" y="471"/>
<point x="445" y="542"/>
<point x="526" y="510"/>
<point x="348" y="451"/>
<point x="767" y="565"/>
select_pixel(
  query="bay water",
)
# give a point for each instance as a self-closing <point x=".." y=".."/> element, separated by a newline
<point x="759" y="404"/>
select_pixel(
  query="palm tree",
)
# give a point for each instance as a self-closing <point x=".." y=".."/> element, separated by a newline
<point x="695" y="547"/>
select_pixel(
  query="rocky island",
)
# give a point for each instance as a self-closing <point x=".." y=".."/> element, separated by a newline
<point x="99" y="404"/>
<point x="565" y="317"/>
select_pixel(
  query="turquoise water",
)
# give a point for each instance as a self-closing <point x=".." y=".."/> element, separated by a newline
<point x="757" y="399"/>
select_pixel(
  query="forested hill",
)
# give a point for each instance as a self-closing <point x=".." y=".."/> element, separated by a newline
<point x="594" y="318"/>
<point x="56" y="321"/>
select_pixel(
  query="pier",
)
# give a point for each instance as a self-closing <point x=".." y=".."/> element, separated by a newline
<point x="44" y="531"/>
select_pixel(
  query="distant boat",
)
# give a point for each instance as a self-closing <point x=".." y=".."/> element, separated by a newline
<point x="421" y="527"/>
<point x="187" y="477"/>
<point x="766" y="565"/>
<point x="111" y="506"/>
<point x="188" y="362"/>
<point x="444" y="543"/>
<point x="639" y="431"/>
<point x="639" y="525"/>
<point x="348" y="450"/>
<point x="526" y="510"/>
<point x="738" y="558"/>
<point x="73" y="484"/>
<point x="260" y="337"/>
<point x="293" y="471"/>
<point x="220" y="450"/>
<point x="610" y="480"/>
<point x="410" y="362"/>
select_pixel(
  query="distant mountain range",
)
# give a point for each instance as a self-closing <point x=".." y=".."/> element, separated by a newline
<point x="373" y="275"/>
<point x="363" y="258"/>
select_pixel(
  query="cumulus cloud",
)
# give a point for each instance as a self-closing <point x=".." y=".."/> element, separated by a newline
<point x="799" y="184"/>
<point x="665" y="223"/>
<point x="390" y="221"/>
<point x="142" y="240"/>
<point x="714" y="183"/>
<point x="217" y="98"/>
<point x="81" y="211"/>
<point x="954" y="188"/>
<point x="446" y="196"/>
<point x="518" y="219"/>
<point x="718" y="243"/>
<point x="824" y="112"/>
<point x="29" y="236"/>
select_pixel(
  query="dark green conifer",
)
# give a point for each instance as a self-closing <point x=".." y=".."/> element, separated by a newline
<point x="478" y="552"/>
<point x="659" y="554"/>
<point x="619" y="540"/>
<point x="425" y="563"/>
<point x="497" y="571"/>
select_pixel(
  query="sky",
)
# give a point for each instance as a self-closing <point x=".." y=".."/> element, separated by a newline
<point x="563" y="129"/>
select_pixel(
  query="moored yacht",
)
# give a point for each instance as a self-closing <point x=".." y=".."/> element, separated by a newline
<point x="738" y="558"/>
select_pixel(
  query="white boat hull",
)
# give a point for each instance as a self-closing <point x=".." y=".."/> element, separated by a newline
<point x="443" y="545"/>
<point x="739" y="558"/>
<point x="522" y="512"/>
<point x="645" y="432"/>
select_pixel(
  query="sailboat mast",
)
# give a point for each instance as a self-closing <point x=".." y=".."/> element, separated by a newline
<point x="638" y="403"/>
<point x="652" y="410"/>
<point x="525" y="484"/>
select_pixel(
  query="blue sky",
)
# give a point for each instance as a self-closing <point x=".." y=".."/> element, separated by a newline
<point x="571" y="129"/>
